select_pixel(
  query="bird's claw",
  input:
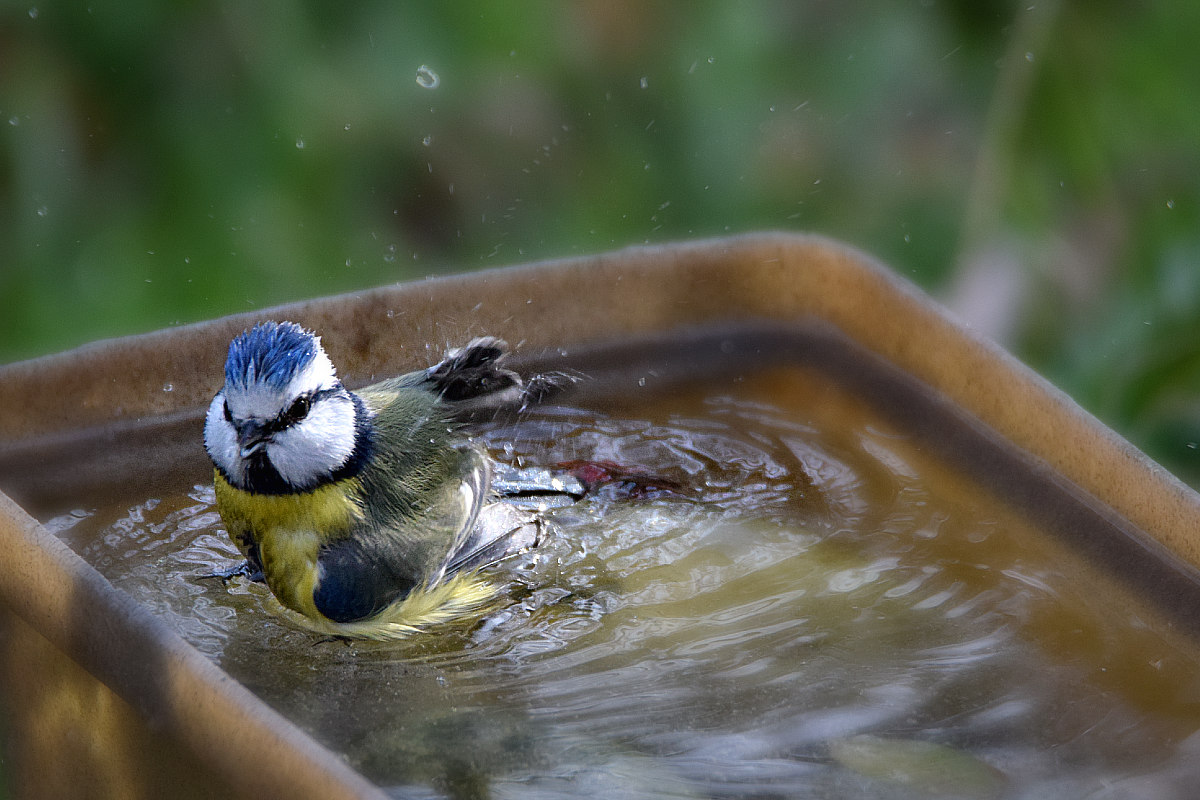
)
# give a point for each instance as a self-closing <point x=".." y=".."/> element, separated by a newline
<point x="242" y="570"/>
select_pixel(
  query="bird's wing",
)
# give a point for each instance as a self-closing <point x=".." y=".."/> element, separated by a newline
<point x="502" y="530"/>
<point x="400" y="548"/>
<point x="460" y="508"/>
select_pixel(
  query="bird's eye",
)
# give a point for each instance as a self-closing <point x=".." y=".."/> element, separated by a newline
<point x="298" y="410"/>
<point x="228" y="413"/>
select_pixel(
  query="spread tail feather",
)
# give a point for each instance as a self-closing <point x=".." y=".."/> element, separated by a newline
<point x="475" y="375"/>
<point x="474" y="371"/>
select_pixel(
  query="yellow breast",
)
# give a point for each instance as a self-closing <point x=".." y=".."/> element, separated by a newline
<point x="289" y="530"/>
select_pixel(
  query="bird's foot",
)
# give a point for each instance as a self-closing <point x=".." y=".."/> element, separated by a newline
<point x="242" y="570"/>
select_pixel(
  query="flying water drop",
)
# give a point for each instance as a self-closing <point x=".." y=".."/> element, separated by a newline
<point x="427" y="78"/>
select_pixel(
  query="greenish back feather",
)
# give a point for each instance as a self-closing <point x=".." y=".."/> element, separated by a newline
<point x="423" y="487"/>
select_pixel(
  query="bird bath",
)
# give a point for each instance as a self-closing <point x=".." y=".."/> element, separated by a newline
<point x="731" y="363"/>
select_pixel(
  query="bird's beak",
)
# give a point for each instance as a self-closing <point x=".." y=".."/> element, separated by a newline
<point x="252" y="437"/>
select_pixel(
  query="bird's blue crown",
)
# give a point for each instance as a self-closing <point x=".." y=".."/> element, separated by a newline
<point x="270" y="353"/>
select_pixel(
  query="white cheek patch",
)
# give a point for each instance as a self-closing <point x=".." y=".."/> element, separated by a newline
<point x="317" y="445"/>
<point x="220" y="439"/>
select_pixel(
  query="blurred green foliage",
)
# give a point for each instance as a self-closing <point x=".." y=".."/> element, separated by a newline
<point x="168" y="162"/>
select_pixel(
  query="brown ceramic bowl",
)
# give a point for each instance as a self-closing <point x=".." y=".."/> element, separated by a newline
<point x="100" y="692"/>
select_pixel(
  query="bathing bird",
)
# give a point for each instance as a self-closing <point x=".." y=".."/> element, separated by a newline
<point x="369" y="513"/>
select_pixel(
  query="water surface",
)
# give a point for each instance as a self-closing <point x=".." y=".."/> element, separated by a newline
<point x="809" y="605"/>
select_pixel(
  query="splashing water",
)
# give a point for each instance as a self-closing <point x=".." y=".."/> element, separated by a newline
<point x="427" y="78"/>
<point x="816" y="608"/>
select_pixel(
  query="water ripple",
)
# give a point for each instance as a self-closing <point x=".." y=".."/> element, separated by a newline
<point x="819" y="582"/>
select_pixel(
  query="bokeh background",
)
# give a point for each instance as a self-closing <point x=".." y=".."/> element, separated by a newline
<point x="1036" y="165"/>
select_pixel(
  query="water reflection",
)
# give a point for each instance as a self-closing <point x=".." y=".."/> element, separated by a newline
<point x="826" y="612"/>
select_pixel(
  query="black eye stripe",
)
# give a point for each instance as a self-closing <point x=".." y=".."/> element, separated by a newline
<point x="293" y="414"/>
<point x="298" y="410"/>
<point x="328" y="392"/>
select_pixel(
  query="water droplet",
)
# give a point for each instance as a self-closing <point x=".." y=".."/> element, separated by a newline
<point x="14" y="120"/>
<point x="1029" y="56"/>
<point x="299" y="144"/>
<point x="427" y="78"/>
<point x="644" y="82"/>
<point x="33" y="13"/>
<point x="641" y="381"/>
<point x="428" y="140"/>
<point x="389" y="255"/>
<point x="43" y="211"/>
<point x="168" y="387"/>
<point x="908" y="237"/>
<point x="390" y="313"/>
<point x="1170" y="204"/>
<point x="712" y="59"/>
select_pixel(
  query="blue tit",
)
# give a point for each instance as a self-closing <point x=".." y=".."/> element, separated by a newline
<point x="368" y="513"/>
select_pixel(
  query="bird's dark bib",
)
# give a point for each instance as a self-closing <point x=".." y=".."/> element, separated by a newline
<point x="261" y="477"/>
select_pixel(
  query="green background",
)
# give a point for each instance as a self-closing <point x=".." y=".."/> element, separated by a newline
<point x="1035" y="165"/>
